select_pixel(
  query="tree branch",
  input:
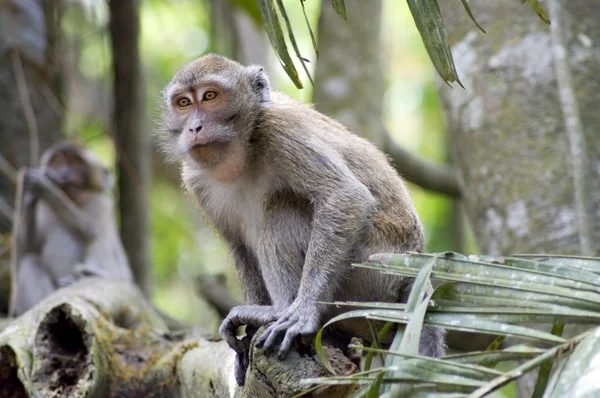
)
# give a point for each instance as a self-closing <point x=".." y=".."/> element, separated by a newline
<point x="214" y="291"/>
<point x="102" y="338"/>
<point x="429" y="175"/>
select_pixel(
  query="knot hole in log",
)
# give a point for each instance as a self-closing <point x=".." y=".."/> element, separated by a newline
<point x="61" y="351"/>
<point x="10" y="385"/>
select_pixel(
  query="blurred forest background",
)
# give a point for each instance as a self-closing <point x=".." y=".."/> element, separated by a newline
<point x="517" y="150"/>
<point x="175" y="32"/>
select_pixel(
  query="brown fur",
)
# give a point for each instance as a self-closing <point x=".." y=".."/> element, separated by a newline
<point x="297" y="197"/>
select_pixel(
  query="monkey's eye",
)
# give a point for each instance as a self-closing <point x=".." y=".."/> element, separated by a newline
<point x="209" y="96"/>
<point x="183" y="102"/>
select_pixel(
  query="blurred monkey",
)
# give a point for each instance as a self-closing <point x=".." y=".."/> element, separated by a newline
<point x="64" y="226"/>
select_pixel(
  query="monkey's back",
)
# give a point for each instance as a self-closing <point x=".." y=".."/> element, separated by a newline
<point x="396" y="225"/>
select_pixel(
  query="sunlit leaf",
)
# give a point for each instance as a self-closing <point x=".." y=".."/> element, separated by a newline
<point x="339" y="7"/>
<point x="537" y="7"/>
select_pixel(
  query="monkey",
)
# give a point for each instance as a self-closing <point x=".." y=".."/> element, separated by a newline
<point x="64" y="226"/>
<point x="297" y="197"/>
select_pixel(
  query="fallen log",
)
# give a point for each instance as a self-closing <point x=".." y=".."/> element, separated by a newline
<point x="100" y="338"/>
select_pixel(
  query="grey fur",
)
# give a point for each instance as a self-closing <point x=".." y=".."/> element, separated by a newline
<point x="298" y="198"/>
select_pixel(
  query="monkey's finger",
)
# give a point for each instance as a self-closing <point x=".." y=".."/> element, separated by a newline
<point x="227" y="331"/>
<point x="267" y="341"/>
<point x="240" y="368"/>
<point x="289" y="337"/>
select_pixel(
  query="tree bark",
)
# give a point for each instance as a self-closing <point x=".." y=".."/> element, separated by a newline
<point x="349" y="86"/>
<point x="524" y="129"/>
<point x="132" y="141"/>
<point x="31" y="92"/>
<point x="349" y="82"/>
<point x="100" y="338"/>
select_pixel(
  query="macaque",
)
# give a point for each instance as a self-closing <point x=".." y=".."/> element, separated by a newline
<point x="65" y="226"/>
<point x="297" y="197"/>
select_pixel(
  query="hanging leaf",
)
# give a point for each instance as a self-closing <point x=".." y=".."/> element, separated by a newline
<point x="275" y="33"/>
<point x="428" y="19"/>
<point x="468" y="9"/>
<point x="310" y="31"/>
<point x="293" y="39"/>
<point x="340" y="7"/>
<point x="537" y="7"/>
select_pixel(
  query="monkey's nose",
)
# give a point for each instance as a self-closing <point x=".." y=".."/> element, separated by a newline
<point x="196" y="129"/>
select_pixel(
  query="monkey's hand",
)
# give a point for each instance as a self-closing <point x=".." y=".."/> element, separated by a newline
<point x="32" y="181"/>
<point x="300" y="318"/>
<point x="254" y="316"/>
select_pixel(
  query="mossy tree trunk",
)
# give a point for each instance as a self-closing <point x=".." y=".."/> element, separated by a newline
<point x="524" y="131"/>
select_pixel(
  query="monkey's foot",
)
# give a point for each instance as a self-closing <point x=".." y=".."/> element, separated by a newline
<point x="253" y="316"/>
<point x="301" y="318"/>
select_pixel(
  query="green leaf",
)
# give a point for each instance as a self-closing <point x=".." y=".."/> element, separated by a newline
<point x="293" y="39"/>
<point x="546" y="368"/>
<point x="428" y="19"/>
<point x="375" y="389"/>
<point x="535" y="4"/>
<point x="492" y="357"/>
<point x="275" y="33"/>
<point x="495" y="296"/>
<point x="407" y="339"/>
<point x="442" y="366"/>
<point x="552" y="353"/>
<point x="468" y="9"/>
<point x="562" y="270"/>
<point x="339" y="7"/>
<point x="321" y="352"/>
<point x="310" y="31"/>
<point x="590" y="264"/>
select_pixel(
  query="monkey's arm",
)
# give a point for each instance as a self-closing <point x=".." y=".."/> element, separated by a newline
<point x="30" y="281"/>
<point x="257" y="310"/>
<point x="342" y="206"/>
<point x="74" y="218"/>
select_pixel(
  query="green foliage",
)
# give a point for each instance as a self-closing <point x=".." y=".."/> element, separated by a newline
<point x="426" y="15"/>
<point x="484" y="294"/>
<point x="275" y="33"/>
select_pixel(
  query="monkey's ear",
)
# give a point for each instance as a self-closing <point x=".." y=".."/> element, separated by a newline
<point x="259" y="82"/>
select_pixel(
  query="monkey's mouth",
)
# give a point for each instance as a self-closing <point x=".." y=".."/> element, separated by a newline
<point x="207" y="143"/>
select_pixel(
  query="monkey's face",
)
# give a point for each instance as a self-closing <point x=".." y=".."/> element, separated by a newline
<point x="67" y="169"/>
<point x="73" y="172"/>
<point x="209" y="105"/>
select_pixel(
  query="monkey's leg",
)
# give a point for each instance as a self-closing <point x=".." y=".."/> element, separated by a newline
<point x="33" y="284"/>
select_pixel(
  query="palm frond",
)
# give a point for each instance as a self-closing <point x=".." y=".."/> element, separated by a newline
<point x="485" y="294"/>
